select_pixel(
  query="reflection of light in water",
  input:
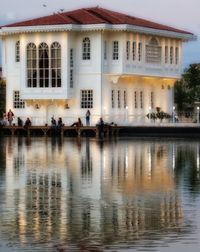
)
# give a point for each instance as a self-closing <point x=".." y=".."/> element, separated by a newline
<point x="173" y="156"/>
<point x="150" y="161"/>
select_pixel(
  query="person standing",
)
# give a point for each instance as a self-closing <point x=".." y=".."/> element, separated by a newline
<point x="10" y="116"/>
<point x="87" y="117"/>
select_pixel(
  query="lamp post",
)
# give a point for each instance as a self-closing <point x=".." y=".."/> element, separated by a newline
<point x="150" y="113"/>
<point x="198" y="114"/>
<point x="173" y="114"/>
<point x="126" y="114"/>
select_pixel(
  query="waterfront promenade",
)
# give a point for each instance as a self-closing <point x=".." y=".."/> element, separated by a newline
<point x="170" y="129"/>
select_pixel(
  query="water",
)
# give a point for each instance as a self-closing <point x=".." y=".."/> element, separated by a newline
<point x="90" y="195"/>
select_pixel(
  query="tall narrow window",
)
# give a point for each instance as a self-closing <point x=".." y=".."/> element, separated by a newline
<point x="105" y="50"/>
<point x="139" y="51"/>
<point x="177" y="55"/>
<point x="113" y="98"/>
<point x="119" y="99"/>
<point x="135" y="99"/>
<point x="87" y="98"/>
<point x="86" y="49"/>
<point x="166" y="54"/>
<point x="152" y="100"/>
<point x="127" y="50"/>
<point x="31" y="65"/>
<point x="55" y="65"/>
<point x="17" y="51"/>
<point x="171" y="55"/>
<point x="134" y="51"/>
<point x="125" y="99"/>
<point x="115" y="50"/>
<point x="17" y="102"/>
<point x="43" y="65"/>
<point x="71" y="68"/>
<point x="141" y="99"/>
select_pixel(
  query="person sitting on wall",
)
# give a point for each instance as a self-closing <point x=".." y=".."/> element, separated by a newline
<point x="78" y="123"/>
<point x="27" y="123"/>
<point x="19" y="122"/>
<point x="100" y="126"/>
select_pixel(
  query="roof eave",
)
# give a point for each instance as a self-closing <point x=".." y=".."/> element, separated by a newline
<point x="97" y="27"/>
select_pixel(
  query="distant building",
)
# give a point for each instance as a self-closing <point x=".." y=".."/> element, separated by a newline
<point x="117" y="66"/>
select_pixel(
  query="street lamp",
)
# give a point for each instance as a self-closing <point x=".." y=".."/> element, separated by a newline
<point x="173" y="114"/>
<point x="197" y="114"/>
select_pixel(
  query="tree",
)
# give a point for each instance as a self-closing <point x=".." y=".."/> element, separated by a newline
<point x="187" y="90"/>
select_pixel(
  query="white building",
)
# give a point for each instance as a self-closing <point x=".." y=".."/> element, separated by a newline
<point x="117" y="66"/>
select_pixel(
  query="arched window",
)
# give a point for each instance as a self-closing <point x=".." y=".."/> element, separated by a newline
<point x="86" y="49"/>
<point x="153" y="52"/>
<point x="43" y="65"/>
<point x="31" y="65"/>
<point x="17" y="51"/>
<point x="55" y="65"/>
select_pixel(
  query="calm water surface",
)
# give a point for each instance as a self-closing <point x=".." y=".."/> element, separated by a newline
<point x="90" y="195"/>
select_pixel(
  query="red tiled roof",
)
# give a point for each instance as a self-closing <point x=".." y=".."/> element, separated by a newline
<point x="94" y="15"/>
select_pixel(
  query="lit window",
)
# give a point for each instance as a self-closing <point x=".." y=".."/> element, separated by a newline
<point x="171" y="55"/>
<point x="115" y="50"/>
<point x="127" y="50"/>
<point x="86" y="98"/>
<point x="113" y="98"/>
<point x="166" y="54"/>
<point x="56" y="65"/>
<point x="86" y="49"/>
<point x="139" y="51"/>
<point x="119" y="99"/>
<point x="17" y="102"/>
<point x="152" y="100"/>
<point x="135" y="99"/>
<point x="31" y="65"/>
<point x="17" y="51"/>
<point x="153" y="52"/>
<point x="177" y="55"/>
<point x="44" y="65"/>
<point x="134" y="51"/>
<point x="141" y="99"/>
<point x="125" y="99"/>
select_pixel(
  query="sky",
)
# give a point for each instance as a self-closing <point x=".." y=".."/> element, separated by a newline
<point x="183" y="14"/>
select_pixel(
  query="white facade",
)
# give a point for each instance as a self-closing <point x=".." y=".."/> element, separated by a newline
<point x="129" y="73"/>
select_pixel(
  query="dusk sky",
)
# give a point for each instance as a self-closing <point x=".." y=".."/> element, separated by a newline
<point x="183" y="14"/>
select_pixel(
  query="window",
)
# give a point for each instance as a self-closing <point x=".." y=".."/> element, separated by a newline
<point x="31" y="65"/>
<point x="86" y="98"/>
<point x="55" y="65"/>
<point x="134" y="51"/>
<point x="141" y="99"/>
<point x="71" y="68"/>
<point x="115" y="50"/>
<point x="171" y="55"/>
<point x="113" y="98"/>
<point x="176" y="55"/>
<point x="119" y="99"/>
<point x="152" y="100"/>
<point x="139" y="51"/>
<point x="127" y="50"/>
<point x="153" y="52"/>
<point x="105" y="50"/>
<point x="166" y="54"/>
<point x="125" y="99"/>
<point x="17" y="102"/>
<point x="44" y="65"/>
<point x="135" y="99"/>
<point x="17" y="51"/>
<point x="86" y="49"/>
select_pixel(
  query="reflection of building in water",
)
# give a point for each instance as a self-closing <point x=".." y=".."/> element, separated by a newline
<point x="97" y="190"/>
